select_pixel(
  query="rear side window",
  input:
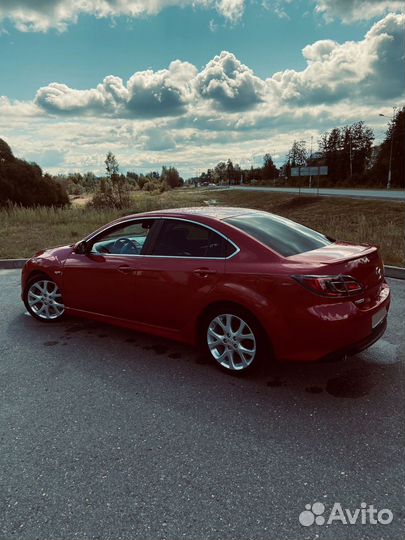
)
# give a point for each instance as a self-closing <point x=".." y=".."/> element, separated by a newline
<point x="183" y="239"/>
<point x="281" y="235"/>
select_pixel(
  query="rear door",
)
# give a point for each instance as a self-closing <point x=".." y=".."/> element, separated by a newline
<point x="184" y="266"/>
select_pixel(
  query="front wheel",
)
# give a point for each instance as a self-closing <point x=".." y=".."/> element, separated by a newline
<point x="43" y="300"/>
<point x="234" y="340"/>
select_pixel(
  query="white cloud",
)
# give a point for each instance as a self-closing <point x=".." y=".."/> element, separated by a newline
<point x="363" y="70"/>
<point x="356" y="10"/>
<point x="227" y="83"/>
<point x="231" y="85"/>
<point x="231" y="9"/>
<point x="18" y="109"/>
<point x="192" y="118"/>
<point x="41" y="15"/>
<point x="147" y="94"/>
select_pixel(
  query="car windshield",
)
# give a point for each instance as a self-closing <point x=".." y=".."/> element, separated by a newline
<point x="279" y="234"/>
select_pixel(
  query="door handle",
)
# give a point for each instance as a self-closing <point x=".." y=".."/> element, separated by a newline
<point x="203" y="272"/>
<point x="125" y="269"/>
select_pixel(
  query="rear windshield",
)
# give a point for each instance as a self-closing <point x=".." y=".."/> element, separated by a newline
<point x="281" y="235"/>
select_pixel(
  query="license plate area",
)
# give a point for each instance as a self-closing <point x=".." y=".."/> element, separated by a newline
<point x="378" y="317"/>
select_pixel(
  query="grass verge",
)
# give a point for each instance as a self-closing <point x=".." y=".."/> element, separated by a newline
<point x="25" y="231"/>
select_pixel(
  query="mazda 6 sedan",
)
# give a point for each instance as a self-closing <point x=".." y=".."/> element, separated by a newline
<point x="246" y="285"/>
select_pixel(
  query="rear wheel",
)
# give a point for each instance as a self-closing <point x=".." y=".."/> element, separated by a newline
<point x="233" y="339"/>
<point x="43" y="299"/>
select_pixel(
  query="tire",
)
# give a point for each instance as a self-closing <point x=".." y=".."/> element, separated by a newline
<point x="233" y="339"/>
<point x="43" y="299"/>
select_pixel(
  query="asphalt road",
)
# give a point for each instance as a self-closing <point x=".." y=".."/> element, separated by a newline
<point x="109" y="434"/>
<point x="392" y="195"/>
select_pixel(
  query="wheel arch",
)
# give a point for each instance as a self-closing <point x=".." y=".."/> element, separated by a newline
<point x="220" y="304"/>
<point x="36" y="273"/>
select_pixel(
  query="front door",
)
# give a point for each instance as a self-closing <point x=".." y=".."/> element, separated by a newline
<point x="103" y="281"/>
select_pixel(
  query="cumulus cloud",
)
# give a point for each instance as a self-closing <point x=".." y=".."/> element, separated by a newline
<point x="193" y="118"/>
<point x="41" y="15"/>
<point x="355" y="10"/>
<point x="157" y="140"/>
<point x="227" y="83"/>
<point x="231" y="9"/>
<point x="367" y="69"/>
<point x="146" y="94"/>
<point x="18" y="109"/>
<point x="231" y="85"/>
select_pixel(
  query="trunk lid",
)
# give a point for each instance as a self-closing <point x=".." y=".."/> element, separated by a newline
<point x="363" y="262"/>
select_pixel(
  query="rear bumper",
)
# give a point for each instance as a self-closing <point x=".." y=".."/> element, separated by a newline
<point x="325" y="331"/>
<point x="360" y="345"/>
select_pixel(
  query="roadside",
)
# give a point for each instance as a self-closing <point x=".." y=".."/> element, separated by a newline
<point x="25" y="231"/>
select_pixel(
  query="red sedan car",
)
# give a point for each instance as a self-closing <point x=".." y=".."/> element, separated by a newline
<point x="246" y="284"/>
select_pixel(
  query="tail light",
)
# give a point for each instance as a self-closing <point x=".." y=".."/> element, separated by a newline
<point x="331" y="286"/>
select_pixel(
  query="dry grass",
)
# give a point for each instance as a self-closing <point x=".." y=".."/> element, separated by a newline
<point x="24" y="231"/>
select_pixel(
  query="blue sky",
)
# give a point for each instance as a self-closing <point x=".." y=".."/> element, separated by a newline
<point x="330" y="60"/>
<point x="87" y="51"/>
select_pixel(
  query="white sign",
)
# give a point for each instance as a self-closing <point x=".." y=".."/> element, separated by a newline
<point x="309" y="171"/>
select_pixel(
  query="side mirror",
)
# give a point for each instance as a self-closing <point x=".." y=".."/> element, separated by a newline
<point x="81" y="248"/>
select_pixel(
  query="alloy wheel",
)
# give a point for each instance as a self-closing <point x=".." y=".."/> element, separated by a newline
<point x="45" y="300"/>
<point x="231" y="342"/>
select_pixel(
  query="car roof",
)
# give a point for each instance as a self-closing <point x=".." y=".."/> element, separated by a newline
<point x="214" y="212"/>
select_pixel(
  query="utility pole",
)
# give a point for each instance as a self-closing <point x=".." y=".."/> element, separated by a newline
<point x="391" y="145"/>
<point x="350" y="156"/>
<point x="310" y="156"/>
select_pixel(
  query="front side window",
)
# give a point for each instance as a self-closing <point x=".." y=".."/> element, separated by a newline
<point x="279" y="234"/>
<point x="183" y="239"/>
<point x="127" y="239"/>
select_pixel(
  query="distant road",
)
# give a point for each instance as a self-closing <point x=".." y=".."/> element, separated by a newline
<point x="393" y="195"/>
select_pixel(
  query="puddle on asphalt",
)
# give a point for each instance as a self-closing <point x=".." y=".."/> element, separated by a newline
<point x="352" y="384"/>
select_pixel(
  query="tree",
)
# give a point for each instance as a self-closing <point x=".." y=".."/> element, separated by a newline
<point x="347" y="151"/>
<point x="117" y="181"/>
<point x="230" y="171"/>
<point x="270" y="171"/>
<point x="297" y="156"/>
<point x="5" y="152"/>
<point x="114" y="190"/>
<point x="171" y="176"/>
<point x="24" y="183"/>
<point x="220" y="172"/>
<point x="392" y="147"/>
